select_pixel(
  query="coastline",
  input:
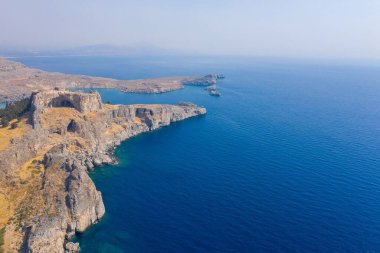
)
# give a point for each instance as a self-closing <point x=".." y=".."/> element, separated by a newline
<point x="19" y="81"/>
<point x="84" y="136"/>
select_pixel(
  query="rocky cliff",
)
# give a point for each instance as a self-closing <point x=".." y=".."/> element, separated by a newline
<point x="51" y="195"/>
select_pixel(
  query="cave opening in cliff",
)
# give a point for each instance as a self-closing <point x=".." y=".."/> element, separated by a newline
<point x="61" y="102"/>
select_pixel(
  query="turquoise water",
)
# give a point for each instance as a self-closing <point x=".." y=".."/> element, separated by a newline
<point x="286" y="160"/>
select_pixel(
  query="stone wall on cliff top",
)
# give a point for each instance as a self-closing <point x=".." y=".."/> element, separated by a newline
<point x="82" y="102"/>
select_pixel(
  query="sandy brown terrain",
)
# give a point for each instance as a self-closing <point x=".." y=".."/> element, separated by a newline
<point x="18" y="81"/>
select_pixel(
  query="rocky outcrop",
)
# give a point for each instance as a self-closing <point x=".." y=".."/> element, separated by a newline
<point x="213" y="91"/>
<point x="72" y="247"/>
<point x="209" y="81"/>
<point x="81" y="133"/>
<point x="202" y="81"/>
<point x="21" y="150"/>
<point x="82" y="102"/>
<point x="72" y="203"/>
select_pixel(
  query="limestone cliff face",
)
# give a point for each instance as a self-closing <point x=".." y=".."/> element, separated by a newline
<point x="20" y="151"/>
<point x="72" y="203"/>
<point x="76" y="132"/>
<point x="82" y="102"/>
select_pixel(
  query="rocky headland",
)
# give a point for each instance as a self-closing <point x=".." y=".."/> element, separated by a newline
<point x="18" y="81"/>
<point x="46" y="195"/>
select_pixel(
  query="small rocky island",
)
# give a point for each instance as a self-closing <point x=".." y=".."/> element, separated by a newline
<point x="212" y="90"/>
<point x="46" y="195"/>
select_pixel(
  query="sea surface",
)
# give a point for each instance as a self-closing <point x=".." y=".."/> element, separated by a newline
<point x="286" y="160"/>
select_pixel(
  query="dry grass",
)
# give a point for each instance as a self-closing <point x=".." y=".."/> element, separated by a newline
<point x="115" y="128"/>
<point x="108" y="107"/>
<point x="4" y="209"/>
<point x="6" y="134"/>
<point x="137" y="120"/>
<point x="19" y="199"/>
<point x="13" y="192"/>
<point x="57" y="117"/>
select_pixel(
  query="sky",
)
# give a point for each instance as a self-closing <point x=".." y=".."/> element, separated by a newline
<point x="279" y="28"/>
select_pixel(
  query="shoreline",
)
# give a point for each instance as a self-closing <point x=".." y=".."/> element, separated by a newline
<point x="84" y="136"/>
<point x="19" y="81"/>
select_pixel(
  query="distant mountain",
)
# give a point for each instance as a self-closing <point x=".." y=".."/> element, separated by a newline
<point x="90" y="50"/>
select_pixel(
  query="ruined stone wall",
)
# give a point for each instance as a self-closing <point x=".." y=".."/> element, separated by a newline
<point x="83" y="102"/>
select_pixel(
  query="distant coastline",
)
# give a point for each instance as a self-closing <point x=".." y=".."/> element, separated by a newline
<point x="18" y="81"/>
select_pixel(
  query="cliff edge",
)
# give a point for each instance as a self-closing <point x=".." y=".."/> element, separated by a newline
<point x="45" y="191"/>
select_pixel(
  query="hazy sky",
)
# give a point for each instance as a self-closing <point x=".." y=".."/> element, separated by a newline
<point x="295" y="28"/>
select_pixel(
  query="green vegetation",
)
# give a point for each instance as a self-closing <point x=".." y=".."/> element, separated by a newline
<point x="14" y="125"/>
<point x="2" y="232"/>
<point x="13" y="111"/>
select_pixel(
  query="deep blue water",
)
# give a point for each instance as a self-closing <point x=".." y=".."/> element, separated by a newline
<point x="286" y="160"/>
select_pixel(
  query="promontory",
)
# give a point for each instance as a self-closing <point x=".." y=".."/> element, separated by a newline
<point x="18" y="81"/>
<point x="50" y="138"/>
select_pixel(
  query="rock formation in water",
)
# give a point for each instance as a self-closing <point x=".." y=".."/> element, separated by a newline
<point x="45" y="189"/>
<point x="210" y="82"/>
<point x="213" y="91"/>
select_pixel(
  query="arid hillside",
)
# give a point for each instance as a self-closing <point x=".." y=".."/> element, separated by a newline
<point x="18" y="81"/>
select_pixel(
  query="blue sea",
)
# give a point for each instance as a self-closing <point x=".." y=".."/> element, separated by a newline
<point x="286" y="160"/>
